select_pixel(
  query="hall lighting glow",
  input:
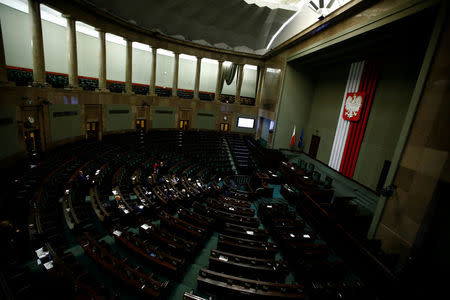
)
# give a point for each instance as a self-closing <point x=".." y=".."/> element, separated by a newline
<point x="271" y="70"/>
<point x="115" y="39"/>
<point x="188" y="57"/>
<point x="250" y="67"/>
<point x="165" y="52"/>
<point x="140" y="46"/>
<point x="300" y="6"/>
<point x="245" y="122"/>
<point x="16" y="4"/>
<point x="210" y="61"/>
<point x="51" y="15"/>
<point x="86" y="29"/>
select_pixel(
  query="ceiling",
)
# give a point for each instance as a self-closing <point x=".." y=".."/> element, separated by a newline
<point x="227" y="24"/>
<point x="241" y="25"/>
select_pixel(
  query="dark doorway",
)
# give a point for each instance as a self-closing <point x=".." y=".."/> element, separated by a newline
<point x="314" y="146"/>
<point x="184" y="124"/>
<point x="33" y="141"/>
<point x="224" y="127"/>
<point x="140" y="125"/>
<point x="92" y="130"/>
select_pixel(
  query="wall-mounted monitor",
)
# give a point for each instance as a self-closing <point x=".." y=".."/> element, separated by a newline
<point x="245" y="122"/>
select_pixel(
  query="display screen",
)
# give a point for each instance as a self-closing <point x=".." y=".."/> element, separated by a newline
<point x="245" y="122"/>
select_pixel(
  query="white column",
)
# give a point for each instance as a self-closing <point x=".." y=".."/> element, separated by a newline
<point x="37" y="42"/>
<point x="153" y="72"/>
<point x="72" y="58"/>
<point x="128" y="67"/>
<point x="239" y="83"/>
<point x="175" y="75"/>
<point x="3" y="74"/>
<point x="261" y="76"/>
<point x="218" y="82"/>
<point x="102" y="61"/>
<point x="197" y="78"/>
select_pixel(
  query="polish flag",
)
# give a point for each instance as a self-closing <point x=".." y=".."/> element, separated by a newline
<point x="292" y="138"/>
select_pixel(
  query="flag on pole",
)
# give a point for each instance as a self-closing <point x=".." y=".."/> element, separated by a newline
<point x="300" y="142"/>
<point x="292" y="138"/>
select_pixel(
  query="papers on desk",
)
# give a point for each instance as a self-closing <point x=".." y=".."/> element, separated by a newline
<point x="117" y="232"/>
<point x="145" y="226"/>
<point x="49" y="265"/>
<point x="41" y="253"/>
<point x="126" y="211"/>
<point x="231" y="208"/>
<point x="292" y="235"/>
<point x="269" y="206"/>
<point x="223" y="258"/>
<point x="249" y="232"/>
<point x="306" y="236"/>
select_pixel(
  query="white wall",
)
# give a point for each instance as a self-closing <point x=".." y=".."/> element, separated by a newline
<point x="164" y="70"/>
<point x="142" y="62"/>
<point x="230" y="89"/>
<point x="16" y="31"/>
<point x="208" y="76"/>
<point x="248" y="88"/>
<point x="88" y="50"/>
<point x="55" y="47"/>
<point x="186" y="73"/>
<point x="115" y="61"/>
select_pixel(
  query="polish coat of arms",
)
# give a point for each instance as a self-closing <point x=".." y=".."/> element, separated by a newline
<point x="353" y="106"/>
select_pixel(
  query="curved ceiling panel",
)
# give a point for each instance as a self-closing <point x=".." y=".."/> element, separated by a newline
<point x="227" y="24"/>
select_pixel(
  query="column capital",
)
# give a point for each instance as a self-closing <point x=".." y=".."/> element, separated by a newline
<point x="101" y="30"/>
<point x="67" y="16"/>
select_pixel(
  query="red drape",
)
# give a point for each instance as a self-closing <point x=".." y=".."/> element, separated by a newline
<point x="356" y="131"/>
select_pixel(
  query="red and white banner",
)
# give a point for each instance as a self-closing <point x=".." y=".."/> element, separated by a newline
<point x="353" y="117"/>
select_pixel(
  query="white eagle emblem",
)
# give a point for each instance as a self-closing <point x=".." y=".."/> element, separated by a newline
<point x="352" y="105"/>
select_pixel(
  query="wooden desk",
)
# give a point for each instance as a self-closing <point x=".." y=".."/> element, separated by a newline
<point x="248" y="267"/>
<point x="247" y="247"/>
<point x="246" y="288"/>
